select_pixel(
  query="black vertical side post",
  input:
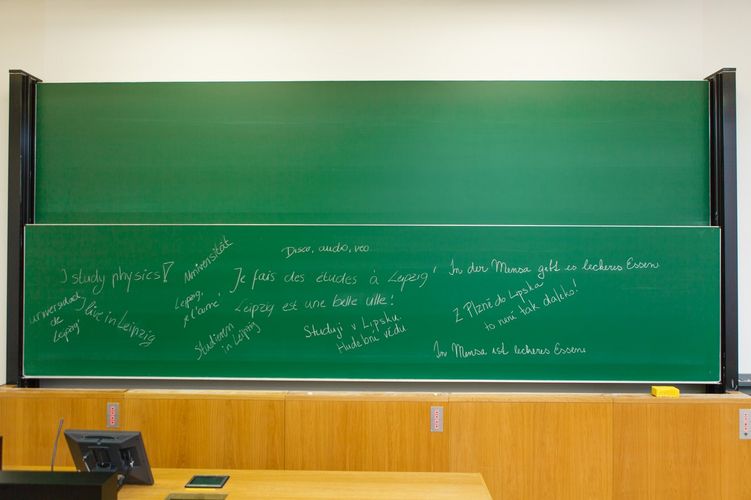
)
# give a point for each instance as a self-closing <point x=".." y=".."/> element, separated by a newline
<point x="723" y="202"/>
<point x="21" y="168"/>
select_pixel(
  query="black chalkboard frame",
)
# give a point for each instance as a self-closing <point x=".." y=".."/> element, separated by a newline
<point x="21" y="170"/>
<point x="724" y="214"/>
<point x="723" y="202"/>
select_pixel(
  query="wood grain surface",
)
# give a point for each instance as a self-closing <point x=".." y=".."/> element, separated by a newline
<point x="528" y="446"/>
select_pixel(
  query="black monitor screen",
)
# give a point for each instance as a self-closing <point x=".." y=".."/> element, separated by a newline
<point x="122" y="452"/>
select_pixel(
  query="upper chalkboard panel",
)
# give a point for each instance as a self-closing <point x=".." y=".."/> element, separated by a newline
<point x="622" y="153"/>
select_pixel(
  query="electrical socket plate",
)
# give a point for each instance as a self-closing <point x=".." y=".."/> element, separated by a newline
<point x="745" y="424"/>
<point x="436" y="419"/>
<point x="113" y="415"/>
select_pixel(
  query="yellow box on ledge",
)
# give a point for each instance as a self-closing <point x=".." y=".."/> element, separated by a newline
<point x="665" y="391"/>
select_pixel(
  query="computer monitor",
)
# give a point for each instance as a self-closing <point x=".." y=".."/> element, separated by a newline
<point x="122" y="452"/>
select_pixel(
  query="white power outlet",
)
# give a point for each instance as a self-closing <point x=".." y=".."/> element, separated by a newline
<point x="745" y="424"/>
<point x="113" y="415"/>
<point x="436" y="419"/>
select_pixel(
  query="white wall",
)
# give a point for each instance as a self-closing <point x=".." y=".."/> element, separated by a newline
<point x="147" y="40"/>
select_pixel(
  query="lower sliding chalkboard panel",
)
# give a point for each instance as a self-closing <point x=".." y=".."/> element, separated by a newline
<point x="521" y="303"/>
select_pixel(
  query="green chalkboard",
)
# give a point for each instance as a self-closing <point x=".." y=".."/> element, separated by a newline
<point x="389" y="184"/>
<point x="624" y="153"/>
<point x="373" y="302"/>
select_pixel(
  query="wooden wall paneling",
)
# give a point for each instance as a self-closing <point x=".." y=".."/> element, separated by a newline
<point x="668" y="449"/>
<point x="209" y="429"/>
<point x="378" y="432"/>
<point x="29" y="420"/>
<point x="534" y="447"/>
<point x="526" y="446"/>
<point x="631" y="469"/>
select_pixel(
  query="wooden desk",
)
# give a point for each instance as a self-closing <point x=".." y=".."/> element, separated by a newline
<point x="289" y="484"/>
